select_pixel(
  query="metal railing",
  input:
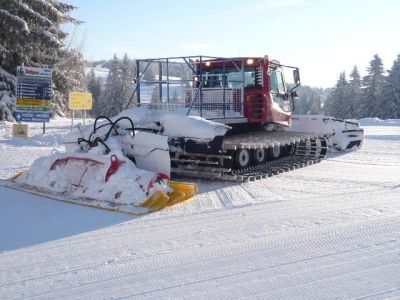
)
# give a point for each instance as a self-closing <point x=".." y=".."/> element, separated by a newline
<point x="166" y="89"/>
<point x="215" y="102"/>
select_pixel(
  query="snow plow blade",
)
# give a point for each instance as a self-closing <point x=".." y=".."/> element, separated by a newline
<point x="181" y="192"/>
<point x="159" y="200"/>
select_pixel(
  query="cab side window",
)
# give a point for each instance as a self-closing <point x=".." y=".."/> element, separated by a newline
<point x="277" y="82"/>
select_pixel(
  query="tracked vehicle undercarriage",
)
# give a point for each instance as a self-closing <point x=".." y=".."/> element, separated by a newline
<point x="250" y="156"/>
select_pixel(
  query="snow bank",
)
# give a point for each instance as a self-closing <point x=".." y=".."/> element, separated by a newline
<point x="379" y="122"/>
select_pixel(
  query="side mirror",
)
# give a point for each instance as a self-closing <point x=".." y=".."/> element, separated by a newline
<point x="296" y="76"/>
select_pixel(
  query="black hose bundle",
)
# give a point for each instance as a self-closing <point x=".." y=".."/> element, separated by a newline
<point x="113" y="126"/>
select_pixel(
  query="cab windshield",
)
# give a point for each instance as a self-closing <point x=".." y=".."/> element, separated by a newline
<point x="214" y="78"/>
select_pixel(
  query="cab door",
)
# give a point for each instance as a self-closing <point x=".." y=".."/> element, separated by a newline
<point x="280" y="105"/>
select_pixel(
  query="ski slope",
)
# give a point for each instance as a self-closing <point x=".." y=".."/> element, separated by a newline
<point x="331" y="230"/>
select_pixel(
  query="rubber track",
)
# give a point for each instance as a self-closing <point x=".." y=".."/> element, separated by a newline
<point x="262" y="139"/>
<point x="271" y="168"/>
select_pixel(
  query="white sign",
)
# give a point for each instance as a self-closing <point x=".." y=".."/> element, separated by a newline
<point x="23" y="71"/>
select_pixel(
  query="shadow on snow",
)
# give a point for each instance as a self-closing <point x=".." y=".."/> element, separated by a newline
<point x="27" y="220"/>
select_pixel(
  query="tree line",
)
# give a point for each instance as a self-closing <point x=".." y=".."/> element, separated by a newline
<point x="375" y="95"/>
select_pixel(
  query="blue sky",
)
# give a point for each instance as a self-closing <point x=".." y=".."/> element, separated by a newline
<point x="322" y="37"/>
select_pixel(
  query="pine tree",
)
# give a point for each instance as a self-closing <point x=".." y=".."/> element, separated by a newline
<point x="111" y="93"/>
<point x="337" y="103"/>
<point x="118" y="87"/>
<point x="31" y="34"/>
<point x="7" y="95"/>
<point x="309" y="101"/>
<point x="372" y="88"/>
<point x="126" y="81"/>
<point x="68" y="75"/>
<point x="94" y="86"/>
<point x="354" y="93"/>
<point x="390" y="107"/>
<point x="315" y="102"/>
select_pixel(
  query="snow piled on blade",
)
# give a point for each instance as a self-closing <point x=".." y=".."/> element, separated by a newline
<point x="84" y="177"/>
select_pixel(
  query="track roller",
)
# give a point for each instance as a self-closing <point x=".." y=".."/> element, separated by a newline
<point x="275" y="152"/>
<point x="259" y="155"/>
<point x="242" y="158"/>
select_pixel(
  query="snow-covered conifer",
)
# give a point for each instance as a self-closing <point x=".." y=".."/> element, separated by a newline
<point x="309" y="101"/>
<point x="109" y="104"/>
<point x="31" y="35"/>
<point x="337" y="103"/>
<point x="372" y="88"/>
<point x="126" y="81"/>
<point x="354" y="93"/>
<point x="94" y="86"/>
<point x="390" y="105"/>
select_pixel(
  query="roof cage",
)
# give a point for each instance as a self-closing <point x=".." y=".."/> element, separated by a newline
<point x="207" y="86"/>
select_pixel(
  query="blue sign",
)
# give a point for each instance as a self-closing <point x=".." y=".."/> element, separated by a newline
<point x="33" y="89"/>
<point x="33" y="92"/>
<point x="32" y="116"/>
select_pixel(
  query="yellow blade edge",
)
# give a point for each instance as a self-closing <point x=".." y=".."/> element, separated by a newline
<point x="182" y="191"/>
<point x="156" y="201"/>
<point x="17" y="175"/>
<point x="190" y="189"/>
<point x="176" y="197"/>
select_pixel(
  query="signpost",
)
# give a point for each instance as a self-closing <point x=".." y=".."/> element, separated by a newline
<point x="80" y="101"/>
<point x="33" y="94"/>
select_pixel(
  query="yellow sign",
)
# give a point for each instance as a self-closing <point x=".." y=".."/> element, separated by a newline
<point x="80" y="100"/>
<point x="33" y="102"/>
<point x="20" y="130"/>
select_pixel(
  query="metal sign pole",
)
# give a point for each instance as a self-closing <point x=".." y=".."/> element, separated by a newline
<point x="44" y="127"/>
<point x="84" y="117"/>
<point x="72" y="120"/>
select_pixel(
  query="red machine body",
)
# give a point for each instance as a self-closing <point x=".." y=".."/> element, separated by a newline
<point x="265" y="95"/>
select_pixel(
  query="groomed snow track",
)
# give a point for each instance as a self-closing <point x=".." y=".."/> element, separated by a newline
<point x="307" y="149"/>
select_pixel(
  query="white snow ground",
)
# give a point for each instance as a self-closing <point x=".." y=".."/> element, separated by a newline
<point x="330" y="230"/>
